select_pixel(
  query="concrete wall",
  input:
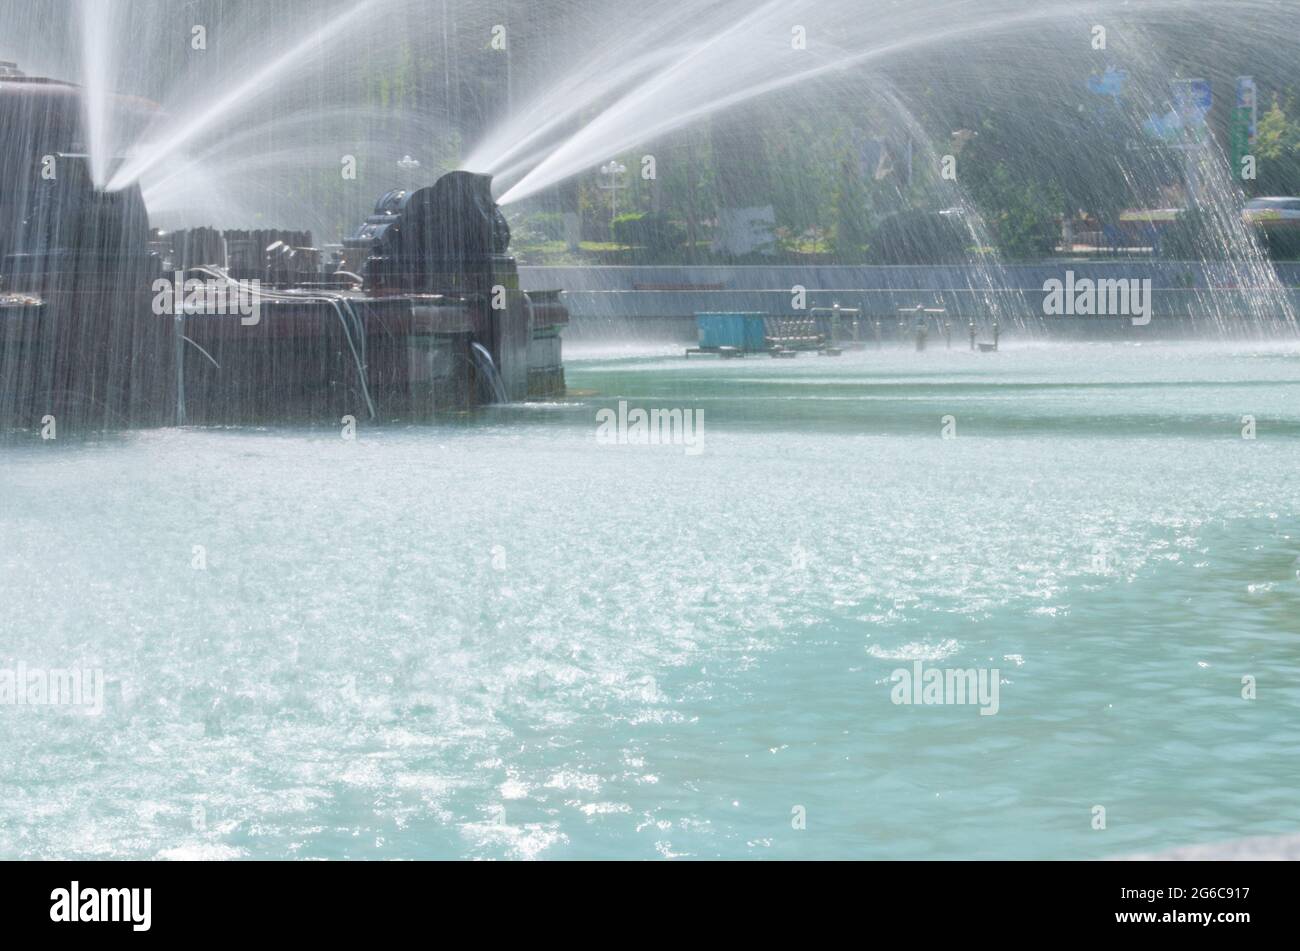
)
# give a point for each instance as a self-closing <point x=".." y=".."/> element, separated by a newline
<point x="657" y="301"/>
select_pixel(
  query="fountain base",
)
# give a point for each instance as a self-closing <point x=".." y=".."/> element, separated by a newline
<point x="100" y="328"/>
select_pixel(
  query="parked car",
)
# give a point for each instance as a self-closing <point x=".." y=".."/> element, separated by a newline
<point x="1272" y="213"/>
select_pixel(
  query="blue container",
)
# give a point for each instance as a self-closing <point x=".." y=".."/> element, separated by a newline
<point x="743" y="331"/>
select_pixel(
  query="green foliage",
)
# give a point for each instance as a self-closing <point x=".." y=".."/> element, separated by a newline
<point x="1019" y="204"/>
<point x="1021" y="213"/>
<point x="804" y="152"/>
<point x="1037" y="152"/>
<point x="920" y="237"/>
<point x="542" y="225"/>
<point x="1277" y="148"/>
<point x="849" y="239"/>
<point x="653" y="232"/>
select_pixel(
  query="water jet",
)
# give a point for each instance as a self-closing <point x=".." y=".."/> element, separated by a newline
<point x="88" y="343"/>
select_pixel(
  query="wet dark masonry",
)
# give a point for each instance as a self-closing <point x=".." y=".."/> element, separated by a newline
<point x="107" y="323"/>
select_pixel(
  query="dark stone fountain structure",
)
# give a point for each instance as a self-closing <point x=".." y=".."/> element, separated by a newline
<point x="104" y="324"/>
<point x="74" y="264"/>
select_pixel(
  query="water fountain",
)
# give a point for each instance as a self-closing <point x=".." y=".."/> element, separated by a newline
<point x="102" y="326"/>
<point x="494" y="634"/>
<point x="660" y="75"/>
<point x="264" y="111"/>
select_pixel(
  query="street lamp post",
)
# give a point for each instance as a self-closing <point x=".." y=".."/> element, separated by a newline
<point x="615" y="171"/>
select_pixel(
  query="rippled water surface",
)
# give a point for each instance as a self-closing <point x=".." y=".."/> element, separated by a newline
<point x="497" y="637"/>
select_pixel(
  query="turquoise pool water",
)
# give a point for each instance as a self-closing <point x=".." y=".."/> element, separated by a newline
<point x="501" y="637"/>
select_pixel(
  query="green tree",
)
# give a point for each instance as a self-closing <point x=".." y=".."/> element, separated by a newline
<point x="851" y="222"/>
<point x="1019" y="206"/>
<point x="1277" y="147"/>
